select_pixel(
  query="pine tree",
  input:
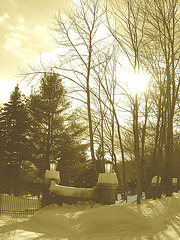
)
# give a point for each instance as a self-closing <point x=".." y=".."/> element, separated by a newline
<point x="14" y="136"/>
<point x="44" y="107"/>
<point x="54" y="133"/>
<point x="100" y="158"/>
<point x="1" y="141"/>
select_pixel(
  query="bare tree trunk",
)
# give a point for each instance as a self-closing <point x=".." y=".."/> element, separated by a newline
<point x="89" y="105"/>
<point x="137" y="150"/>
<point x="122" y="150"/>
<point x="48" y="140"/>
<point x="102" y="123"/>
<point x="130" y="42"/>
<point x="143" y="162"/>
<point x="157" y="131"/>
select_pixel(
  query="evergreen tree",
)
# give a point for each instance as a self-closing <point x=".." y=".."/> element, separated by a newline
<point x="14" y="136"/>
<point x="45" y="106"/>
<point x="100" y="158"/>
<point x="2" y="151"/>
<point x="72" y="149"/>
<point x="54" y="133"/>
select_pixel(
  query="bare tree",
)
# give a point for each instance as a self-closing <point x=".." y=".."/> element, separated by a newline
<point x="106" y="76"/>
<point x="78" y="34"/>
<point x="162" y="32"/>
<point x="128" y="32"/>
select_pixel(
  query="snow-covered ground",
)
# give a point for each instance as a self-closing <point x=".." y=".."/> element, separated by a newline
<point x="159" y="219"/>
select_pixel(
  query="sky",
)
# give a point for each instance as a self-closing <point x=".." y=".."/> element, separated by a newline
<point x="24" y="34"/>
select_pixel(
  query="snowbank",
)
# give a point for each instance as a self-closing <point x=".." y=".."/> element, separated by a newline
<point x="151" y="220"/>
<point x="123" y="221"/>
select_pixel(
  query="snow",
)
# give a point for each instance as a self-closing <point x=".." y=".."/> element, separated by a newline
<point x="152" y="219"/>
<point x="104" y="178"/>
<point x="52" y="175"/>
<point x="107" y="178"/>
<point x="156" y="180"/>
<point x="70" y="191"/>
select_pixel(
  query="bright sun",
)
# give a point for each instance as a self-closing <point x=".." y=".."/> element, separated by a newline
<point x="136" y="83"/>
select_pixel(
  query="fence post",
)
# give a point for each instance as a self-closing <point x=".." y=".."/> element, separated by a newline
<point x="45" y="193"/>
<point x="106" y="188"/>
<point x="175" y="184"/>
<point x="155" y="183"/>
<point x="50" y="175"/>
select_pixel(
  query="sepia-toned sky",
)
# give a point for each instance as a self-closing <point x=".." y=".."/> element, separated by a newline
<point x="24" y="34"/>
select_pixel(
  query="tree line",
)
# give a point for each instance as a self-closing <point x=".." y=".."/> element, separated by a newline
<point x="37" y="129"/>
<point x="98" y="40"/>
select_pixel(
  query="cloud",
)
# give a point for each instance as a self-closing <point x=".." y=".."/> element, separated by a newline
<point x="12" y="41"/>
<point x="25" y="33"/>
<point x="25" y="26"/>
<point x="4" y="17"/>
<point x="39" y="28"/>
<point x="22" y="39"/>
<point x="28" y="41"/>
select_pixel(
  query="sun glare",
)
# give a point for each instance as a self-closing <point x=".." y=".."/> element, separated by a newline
<point x="137" y="83"/>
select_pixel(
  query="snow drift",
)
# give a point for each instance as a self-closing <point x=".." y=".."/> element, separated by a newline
<point x="123" y="221"/>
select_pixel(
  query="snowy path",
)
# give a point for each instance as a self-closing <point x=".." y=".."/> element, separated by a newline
<point x="152" y="220"/>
